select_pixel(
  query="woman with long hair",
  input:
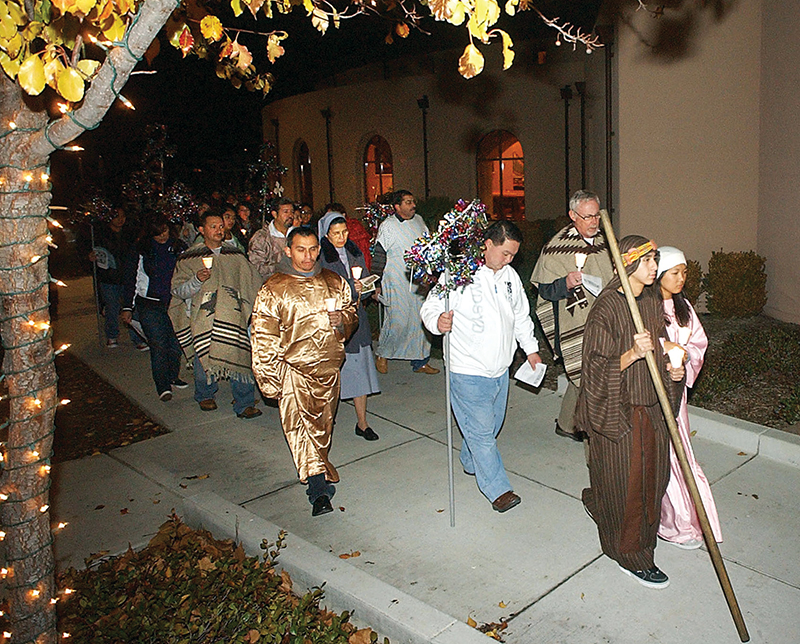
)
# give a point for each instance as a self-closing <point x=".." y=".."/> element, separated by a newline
<point x="679" y="523"/>
<point x="359" y="376"/>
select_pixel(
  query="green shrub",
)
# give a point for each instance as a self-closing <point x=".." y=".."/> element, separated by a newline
<point x="736" y="284"/>
<point x="694" y="281"/>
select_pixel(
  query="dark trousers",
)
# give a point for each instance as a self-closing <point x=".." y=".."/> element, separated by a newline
<point x="165" y="352"/>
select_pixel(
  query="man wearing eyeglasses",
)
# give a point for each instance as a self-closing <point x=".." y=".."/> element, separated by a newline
<point x="572" y="269"/>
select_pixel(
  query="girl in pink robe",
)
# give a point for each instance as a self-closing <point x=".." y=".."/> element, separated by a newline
<point x="679" y="523"/>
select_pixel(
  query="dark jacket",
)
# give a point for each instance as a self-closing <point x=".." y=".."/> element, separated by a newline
<point x="329" y="259"/>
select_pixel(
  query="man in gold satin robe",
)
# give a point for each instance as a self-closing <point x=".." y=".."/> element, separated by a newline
<point x="302" y="316"/>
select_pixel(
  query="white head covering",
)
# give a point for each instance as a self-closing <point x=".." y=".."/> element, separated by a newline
<point x="325" y="223"/>
<point x="669" y="257"/>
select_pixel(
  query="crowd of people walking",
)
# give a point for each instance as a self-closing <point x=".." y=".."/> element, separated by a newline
<point x="281" y="309"/>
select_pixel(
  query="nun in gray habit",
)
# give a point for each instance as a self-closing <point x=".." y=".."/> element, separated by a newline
<point x="359" y="376"/>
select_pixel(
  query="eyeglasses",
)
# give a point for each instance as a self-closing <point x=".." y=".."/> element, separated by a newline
<point x="587" y="217"/>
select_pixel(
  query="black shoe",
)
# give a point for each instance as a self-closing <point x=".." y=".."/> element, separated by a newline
<point x="179" y="384"/>
<point x="366" y="433"/>
<point x="321" y="506"/>
<point x="652" y="578"/>
<point x="577" y="436"/>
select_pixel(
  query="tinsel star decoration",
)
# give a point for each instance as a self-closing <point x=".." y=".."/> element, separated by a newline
<point x="457" y="245"/>
<point x="97" y="209"/>
<point x="374" y="215"/>
<point x="178" y="204"/>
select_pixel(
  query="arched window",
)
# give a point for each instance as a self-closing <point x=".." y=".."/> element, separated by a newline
<point x="501" y="175"/>
<point x="378" y="174"/>
<point x="305" y="190"/>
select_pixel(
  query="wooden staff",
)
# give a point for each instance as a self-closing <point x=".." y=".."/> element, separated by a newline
<point x="677" y="443"/>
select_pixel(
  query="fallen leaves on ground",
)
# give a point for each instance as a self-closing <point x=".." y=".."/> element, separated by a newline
<point x="348" y="555"/>
<point x="187" y="586"/>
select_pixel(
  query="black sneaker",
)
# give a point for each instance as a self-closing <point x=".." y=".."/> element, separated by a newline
<point x="165" y="396"/>
<point x="179" y="384"/>
<point x="652" y="578"/>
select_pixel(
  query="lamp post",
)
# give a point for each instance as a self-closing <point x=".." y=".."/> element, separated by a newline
<point x="566" y="96"/>
<point x="424" y="104"/>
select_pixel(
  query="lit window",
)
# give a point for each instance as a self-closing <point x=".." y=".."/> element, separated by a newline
<point x="378" y="173"/>
<point x="501" y="175"/>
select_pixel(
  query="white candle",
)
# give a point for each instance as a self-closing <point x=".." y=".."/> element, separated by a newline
<point x="356" y="271"/>
<point x="330" y="303"/>
<point x="580" y="260"/>
<point x="208" y="261"/>
<point x="683" y="334"/>
<point x="676" y="356"/>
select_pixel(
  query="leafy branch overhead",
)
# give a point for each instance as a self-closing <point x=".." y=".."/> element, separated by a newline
<point x="63" y="43"/>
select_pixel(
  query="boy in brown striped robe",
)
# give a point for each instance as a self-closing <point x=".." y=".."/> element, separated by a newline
<point x="618" y="408"/>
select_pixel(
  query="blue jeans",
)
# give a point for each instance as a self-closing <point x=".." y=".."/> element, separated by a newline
<point x="165" y="352"/>
<point x="111" y="298"/>
<point x="244" y="393"/>
<point x="479" y="405"/>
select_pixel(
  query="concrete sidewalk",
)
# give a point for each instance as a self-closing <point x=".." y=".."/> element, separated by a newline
<point x="416" y="579"/>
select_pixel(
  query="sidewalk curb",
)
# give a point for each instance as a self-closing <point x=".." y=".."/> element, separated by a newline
<point x="391" y="612"/>
<point x="759" y="440"/>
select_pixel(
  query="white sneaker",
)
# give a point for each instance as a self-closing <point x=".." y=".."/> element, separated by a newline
<point x="691" y="544"/>
<point x="111" y="343"/>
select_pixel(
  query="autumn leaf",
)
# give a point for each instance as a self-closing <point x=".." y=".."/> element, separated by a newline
<point x="206" y="565"/>
<point x="511" y="7"/>
<point x="242" y="55"/>
<point x="274" y="48"/>
<point x="124" y="511"/>
<point x="211" y="28"/>
<point x="236" y="6"/>
<point x="185" y="40"/>
<point x="31" y="75"/>
<point x="10" y="67"/>
<point x="320" y="20"/>
<point x="85" y="6"/>
<point x="361" y="636"/>
<point x="348" y="555"/>
<point x="87" y="67"/>
<point x="472" y="623"/>
<point x="441" y="9"/>
<point x="502" y="604"/>
<point x="471" y="62"/>
<point x="253" y="635"/>
<point x="508" y="52"/>
<point x="484" y="15"/>
<point x="402" y="30"/>
<point x="196" y="477"/>
<point x="115" y="29"/>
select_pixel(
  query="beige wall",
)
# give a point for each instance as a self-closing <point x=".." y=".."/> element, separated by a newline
<point x="779" y="172"/>
<point x="524" y="100"/>
<point x="688" y="136"/>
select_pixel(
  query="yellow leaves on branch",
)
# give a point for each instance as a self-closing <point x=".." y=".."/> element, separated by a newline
<point x="70" y="84"/>
<point x="211" y="28"/>
<point x="237" y="52"/>
<point x="31" y="75"/>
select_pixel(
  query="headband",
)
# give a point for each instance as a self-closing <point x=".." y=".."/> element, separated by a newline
<point x="635" y="253"/>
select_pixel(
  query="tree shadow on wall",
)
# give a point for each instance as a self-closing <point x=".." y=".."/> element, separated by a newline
<point x="677" y="25"/>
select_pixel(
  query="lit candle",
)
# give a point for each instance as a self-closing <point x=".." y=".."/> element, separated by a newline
<point x="676" y="356"/>
<point x="356" y="270"/>
<point x="208" y="261"/>
<point x="330" y="303"/>
<point x="580" y="260"/>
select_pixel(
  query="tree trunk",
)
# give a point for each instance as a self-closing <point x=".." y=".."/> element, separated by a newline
<point x="28" y="366"/>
